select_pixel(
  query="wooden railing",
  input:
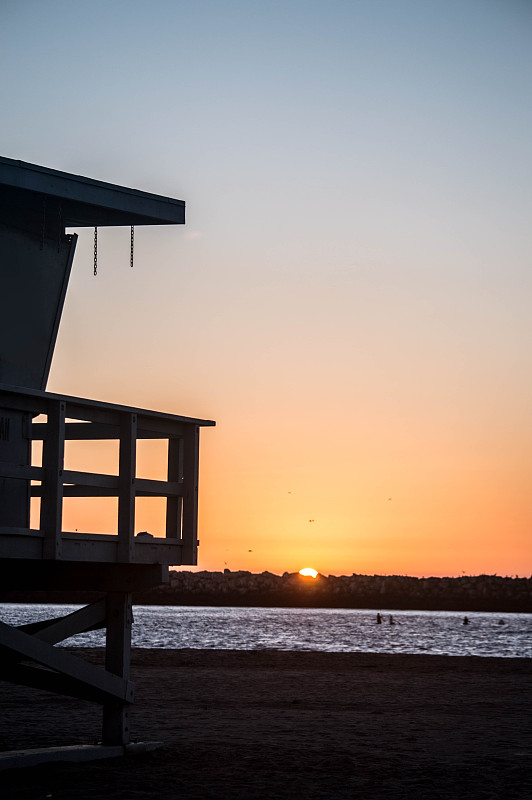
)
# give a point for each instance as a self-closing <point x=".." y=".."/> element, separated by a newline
<point x="76" y="419"/>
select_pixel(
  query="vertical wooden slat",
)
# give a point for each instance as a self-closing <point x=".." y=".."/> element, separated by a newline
<point x="190" y="502"/>
<point x="116" y="724"/>
<point x="126" y="487"/>
<point x="174" y="505"/>
<point x="52" y="461"/>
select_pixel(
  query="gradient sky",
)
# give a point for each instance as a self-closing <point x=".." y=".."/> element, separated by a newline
<point x="351" y="296"/>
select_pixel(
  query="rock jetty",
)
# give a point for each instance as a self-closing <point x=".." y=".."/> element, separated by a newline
<point x="241" y="588"/>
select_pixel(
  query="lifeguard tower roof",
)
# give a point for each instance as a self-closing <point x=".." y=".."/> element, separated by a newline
<point x="84" y="202"/>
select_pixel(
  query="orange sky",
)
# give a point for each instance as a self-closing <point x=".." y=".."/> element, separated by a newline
<point x="351" y="296"/>
<point x="397" y="421"/>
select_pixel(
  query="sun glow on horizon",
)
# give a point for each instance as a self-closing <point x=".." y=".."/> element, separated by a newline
<point x="308" y="572"/>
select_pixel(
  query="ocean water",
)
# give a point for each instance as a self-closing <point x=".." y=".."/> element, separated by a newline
<point x="326" y="630"/>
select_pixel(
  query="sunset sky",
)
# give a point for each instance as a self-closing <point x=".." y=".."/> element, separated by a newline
<point x="351" y="297"/>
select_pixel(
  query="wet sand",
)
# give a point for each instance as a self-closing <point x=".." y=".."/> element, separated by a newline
<point x="269" y="724"/>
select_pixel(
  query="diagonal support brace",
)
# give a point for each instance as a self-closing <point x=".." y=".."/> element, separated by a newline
<point x="24" y="646"/>
<point x="88" y="618"/>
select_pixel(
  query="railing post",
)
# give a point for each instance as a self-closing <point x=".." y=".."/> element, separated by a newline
<point x="174" y="505"/>
<point x="189" y="553"/>
<point x="52" y="497"/>
<point x="126" y="487"/>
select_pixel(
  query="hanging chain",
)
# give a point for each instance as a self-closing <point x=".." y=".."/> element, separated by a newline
<point x="95" y="251"/>
<point x="96" y="248"/>
<point x="43" y="222"/>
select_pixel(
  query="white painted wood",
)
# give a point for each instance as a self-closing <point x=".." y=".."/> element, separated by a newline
<point x="23" y="645"/>
<point x="52" y="501"/>
<point x="116" y="723"/>
<point x="91" y="617"/>
<point x="126" y="487"/>
<point x="13" y="759"/>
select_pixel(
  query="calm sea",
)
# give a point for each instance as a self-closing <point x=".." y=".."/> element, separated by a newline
<point x="327" y="630"/>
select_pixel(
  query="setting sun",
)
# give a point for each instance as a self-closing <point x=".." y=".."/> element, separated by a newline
<point x="308" y="572"/>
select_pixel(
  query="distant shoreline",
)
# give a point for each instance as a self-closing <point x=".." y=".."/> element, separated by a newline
<point x="488" y="593"/>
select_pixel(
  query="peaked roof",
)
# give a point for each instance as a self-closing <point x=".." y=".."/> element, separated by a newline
<point x="84" y="202"/>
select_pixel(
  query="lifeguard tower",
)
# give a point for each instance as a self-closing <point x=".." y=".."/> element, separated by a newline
<point x="37" y="205"/>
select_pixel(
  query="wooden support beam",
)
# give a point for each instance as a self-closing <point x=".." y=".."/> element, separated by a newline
<point x="22" y="645"/>
<point x="85" y="575"/>
<point x="95" y="479"/>
<point x="116" y="728"/>
<point x="119" y="614"/>
<point x="174" y="504"/>
<point x="50" y="681"/>
<point x="86" y="431"/>
<point x="148" y="487"/>
<point x="52" y="460"/>
<point x="92" y="484"/>
<point x="36" y="402"/>
<point x="126" y="487"/>
<point x="88" y="618"/>
<point x="144" y="487"/>
<point x="190" y="499"/>
<point x="13" y="759"/>
<point x="22" y="472"/>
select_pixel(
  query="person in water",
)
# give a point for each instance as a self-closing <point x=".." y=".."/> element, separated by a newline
<point x="379" y="619"/>
<point x="392" y="621"/>
<point x="466" y="621"/>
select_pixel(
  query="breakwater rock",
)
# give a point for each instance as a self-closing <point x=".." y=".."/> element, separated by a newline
<point x="241" y="588"/>
<point x="475" y="593"/>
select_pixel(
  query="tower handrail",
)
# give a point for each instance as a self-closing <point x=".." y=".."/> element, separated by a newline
<point x="73" y="418"/>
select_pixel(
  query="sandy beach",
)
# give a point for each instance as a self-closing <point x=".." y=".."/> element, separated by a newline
<point x="269" y="724"/>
